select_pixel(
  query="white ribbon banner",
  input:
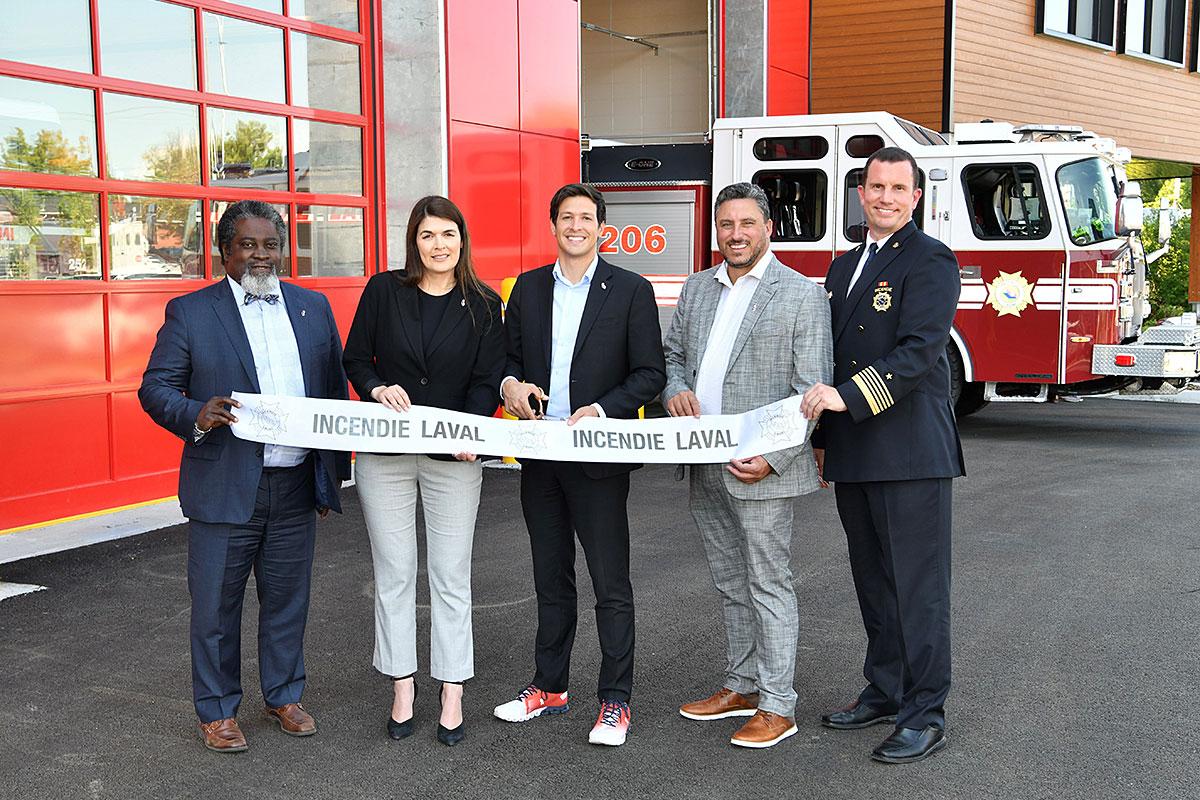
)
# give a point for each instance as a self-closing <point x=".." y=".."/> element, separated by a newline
<point x="373" y="428"/>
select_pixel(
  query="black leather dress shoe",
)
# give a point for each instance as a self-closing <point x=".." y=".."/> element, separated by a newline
<point x="906" y="745"/>
<point x="857" y="715"/>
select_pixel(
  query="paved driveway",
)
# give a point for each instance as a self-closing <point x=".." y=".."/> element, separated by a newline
<point x="1076" y="596"/>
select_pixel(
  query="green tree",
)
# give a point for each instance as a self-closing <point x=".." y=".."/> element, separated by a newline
<point x="1168" y="276"/>
<point x="48" y="153"/>
<point x="251" y="143"/>
<point x="177" y="161"/>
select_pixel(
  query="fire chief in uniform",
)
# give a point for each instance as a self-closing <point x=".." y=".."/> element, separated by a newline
<point x="891" y="446"/>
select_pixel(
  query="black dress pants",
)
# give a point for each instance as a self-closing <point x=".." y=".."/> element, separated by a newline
<point x="560" y="502"/>
<point x="898" y="535"/>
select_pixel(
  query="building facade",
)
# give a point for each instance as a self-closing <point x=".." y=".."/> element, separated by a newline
<point x="127" y="127"/>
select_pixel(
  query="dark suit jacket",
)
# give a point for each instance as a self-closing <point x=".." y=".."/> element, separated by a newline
<point x="618" y="359"/>
<point x="890" y="367"/>
<point x="201" y="352"/>
<point x="461" y="370"/>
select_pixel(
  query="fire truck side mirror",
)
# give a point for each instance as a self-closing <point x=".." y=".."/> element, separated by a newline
<point x="1129" y="214"/>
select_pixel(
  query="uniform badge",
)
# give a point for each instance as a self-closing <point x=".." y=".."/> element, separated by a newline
<point x="882" y="301"/>
<point x="1009" y="293"/>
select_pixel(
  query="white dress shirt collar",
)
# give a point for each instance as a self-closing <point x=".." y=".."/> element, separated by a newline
<point x="722" y="272"/>
<point x="559" y="275"/>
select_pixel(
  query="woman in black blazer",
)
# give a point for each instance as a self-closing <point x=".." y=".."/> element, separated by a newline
<point x="430" y="335"/>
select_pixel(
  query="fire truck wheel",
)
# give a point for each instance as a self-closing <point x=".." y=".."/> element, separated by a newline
<point x="967" y="397"/>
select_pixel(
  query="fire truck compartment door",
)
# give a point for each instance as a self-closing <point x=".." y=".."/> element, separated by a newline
<point x="795" y="165"/>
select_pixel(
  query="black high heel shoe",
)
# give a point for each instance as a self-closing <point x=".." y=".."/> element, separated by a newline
<point x="401" y="730"/>
<point x="450" y="736"/>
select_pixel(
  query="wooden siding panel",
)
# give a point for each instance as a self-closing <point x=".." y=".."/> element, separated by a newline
<point x="1004" y="71"/>
<point x="879" y="56"/>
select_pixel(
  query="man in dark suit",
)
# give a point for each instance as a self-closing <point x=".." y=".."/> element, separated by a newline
<point x="588" y="332"/>
<point x="891" y="446"/>
<point x="249" y="505"/>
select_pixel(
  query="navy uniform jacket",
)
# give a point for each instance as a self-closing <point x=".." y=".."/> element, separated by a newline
<point x="890" y="367"/>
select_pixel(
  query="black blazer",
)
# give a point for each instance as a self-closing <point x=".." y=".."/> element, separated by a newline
<point x="461" y="370"/>
<point x="618" y="360"/>
<point x="890" y="367"/>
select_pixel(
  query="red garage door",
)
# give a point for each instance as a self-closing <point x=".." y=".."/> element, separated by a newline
<point x="126" y="127"/>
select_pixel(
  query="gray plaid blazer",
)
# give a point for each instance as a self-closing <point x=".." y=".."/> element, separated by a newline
<point x="783" y="347"/>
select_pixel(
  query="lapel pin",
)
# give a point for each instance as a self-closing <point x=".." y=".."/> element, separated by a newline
<point x="895" y="245"/>
<point x="302" y="312"/>
<point x="829" y="295"/>
<point x="603" y="285"/>
<point x="463" y="302"/>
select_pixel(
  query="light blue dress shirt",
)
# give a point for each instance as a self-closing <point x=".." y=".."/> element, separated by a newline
<point x="276" y="362"/>
<point x="569" y="300"/>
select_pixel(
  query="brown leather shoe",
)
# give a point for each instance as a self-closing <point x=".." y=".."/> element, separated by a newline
<point x="764" y="730"/>
<point x="725" y="703"/>
<point x="223" y="736"/>
<point x="293" y="719"/>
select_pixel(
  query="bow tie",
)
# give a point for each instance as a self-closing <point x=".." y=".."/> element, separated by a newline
<point x="270" y="299"/>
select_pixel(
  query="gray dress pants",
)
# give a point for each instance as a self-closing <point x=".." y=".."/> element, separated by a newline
<point x="748" y="544"/>
<point x="388" y="486"/>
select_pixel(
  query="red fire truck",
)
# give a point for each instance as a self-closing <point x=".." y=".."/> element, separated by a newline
<point x="1042" y="219"/>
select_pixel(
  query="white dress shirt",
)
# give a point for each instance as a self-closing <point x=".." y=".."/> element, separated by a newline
<point x="862" y="259"/>
<point x="276" y="361"/>
<point x="731" y="310"/>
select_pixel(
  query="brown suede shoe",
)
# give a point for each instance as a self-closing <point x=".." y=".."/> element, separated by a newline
<point x="293" y="719"/>
<point x="223" y="736"/>
<point x="764" y="730"/>
<point x="725" y="703"/>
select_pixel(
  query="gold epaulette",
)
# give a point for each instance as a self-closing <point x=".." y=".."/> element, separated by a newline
<point x="874" y="390"/>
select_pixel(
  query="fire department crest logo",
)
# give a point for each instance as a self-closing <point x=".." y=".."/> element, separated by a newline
<point x="882" y="301"/>
<point x="1010" y="293"/>
<point x="779" y="425"/>
<point x="526" y="440"/>
<point x="269" y="420"/>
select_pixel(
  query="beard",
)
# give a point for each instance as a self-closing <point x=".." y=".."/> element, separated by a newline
<point x="260" y="284"/>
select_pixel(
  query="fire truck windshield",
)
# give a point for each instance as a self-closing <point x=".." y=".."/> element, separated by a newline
<point x="1089" y="199"/>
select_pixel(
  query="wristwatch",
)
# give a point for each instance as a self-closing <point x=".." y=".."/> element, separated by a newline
<point x="198" y="434"/>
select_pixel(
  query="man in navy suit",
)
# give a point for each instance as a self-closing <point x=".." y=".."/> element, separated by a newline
<point x="887" y="438"/>
<point x="249" y="505"/>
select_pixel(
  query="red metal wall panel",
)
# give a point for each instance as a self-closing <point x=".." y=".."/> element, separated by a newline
<point x="786" y="93"/>
<point x="787" y="57"/>
<point x="787" y="36"/>
<point x="485" y="173"/>
<point x="546" y="163"/>
<point x="481" y="55"/>
<point x="53" y="444"/>
<point x="139" y="446"/>
<point x="51" y="340"/>
<point x="133" y="321"/>
<point x="548" y="41"/>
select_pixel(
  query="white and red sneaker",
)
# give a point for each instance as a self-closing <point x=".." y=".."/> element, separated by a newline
<point x="612" y="725"/>
<point x="532" y="702"/>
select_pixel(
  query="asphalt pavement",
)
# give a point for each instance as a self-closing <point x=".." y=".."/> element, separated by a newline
<point x="1076" y="597"/>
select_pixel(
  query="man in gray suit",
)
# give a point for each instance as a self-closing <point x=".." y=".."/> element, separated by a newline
<point x="746" y="333"/>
